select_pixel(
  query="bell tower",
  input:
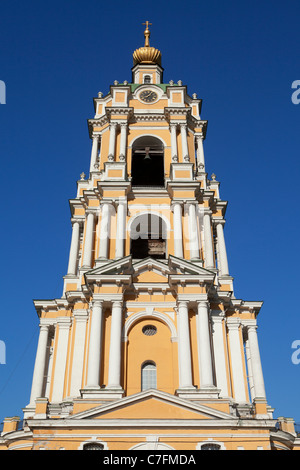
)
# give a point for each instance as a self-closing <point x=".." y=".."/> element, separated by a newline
<point x="148" y="338"/>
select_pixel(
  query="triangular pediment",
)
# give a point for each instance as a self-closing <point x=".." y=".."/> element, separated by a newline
<point x="158" y="271"/>
<point x="153" y="405"/>
<point x="150" y="271"/>
<point x="119" y="266"/>
<point x="182" y="266"/>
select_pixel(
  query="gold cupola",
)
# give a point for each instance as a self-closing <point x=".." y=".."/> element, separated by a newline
<point x="147" y="54"/>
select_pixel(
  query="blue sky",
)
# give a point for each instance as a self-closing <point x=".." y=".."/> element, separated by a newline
<point x="241" y="59"/>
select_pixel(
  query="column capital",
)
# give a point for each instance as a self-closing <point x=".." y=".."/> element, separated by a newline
<point x="252" y="327"/>
<point x="44" y="326"/>
<point x="218" y="221"/>
<point x="113" y="124"/>
<point x="80" y="314"/>
<point x="97" y="303"/>
<point x="207" y="211"/>
<point x="64" y="322"/>
<point x="203" y="303"/>
<point x="123" y="124"/>
<point x="233" y="323"/>
<point x="182" y="303"/>
<point x="90" y="211"/>
<point x="78" y="221"/>
<point x="176" y="203"/>
<point x="107" y="202"/>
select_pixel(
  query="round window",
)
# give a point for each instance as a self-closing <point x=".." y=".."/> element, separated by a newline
<point x="149" y="330"/>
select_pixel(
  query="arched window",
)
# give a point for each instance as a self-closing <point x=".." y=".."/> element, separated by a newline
<point x="147" y="79"/>
<point x="210" y="447"/>
<point x="148" y="375"/>
<point x="148" y="235"/>
<point x="93" y="446"/>
<point x="147" y="162"/>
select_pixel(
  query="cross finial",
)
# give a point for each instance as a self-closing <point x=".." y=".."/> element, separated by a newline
<point x="147" y="33"/>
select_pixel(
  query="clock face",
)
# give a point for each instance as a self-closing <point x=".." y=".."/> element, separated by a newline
<point x="148" y="96"/>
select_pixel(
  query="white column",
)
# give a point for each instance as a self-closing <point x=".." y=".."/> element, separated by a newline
<point x="121" y="228"/>
<point x="112" y="141"/>
<point x="200" y="154"/>
<point x="249" y="367"/>
<point x="220" y="353"/>
<point x="223" y="268"/>
<point x="208" y="241"/>
<point x="94" y="154"/>
<point x="185" y="150"/>
<point x="174" y="150"/>
<point x="205" y="357"/>
<point x="104" y="231"/>
<point x="177" y="229"/>
<point x="62" y="340"/>
<point x="114" y="371"/>
<point x="95" y="346"/>
<point x="72" y="267"/>
<point x="40" y="364"/>
<point x="123" y="142"/>
<point x="236" y="356"/>
<point x="184" y="347"/>
<point x="78" y="352"/>
<point x="258" y="380"/>
<point x="193" y="233"/>
<point x="89" y="239"/>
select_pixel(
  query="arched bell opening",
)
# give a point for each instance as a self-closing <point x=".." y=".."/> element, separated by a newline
<point x="148" y="234"/>
<point x="147" y="162"/>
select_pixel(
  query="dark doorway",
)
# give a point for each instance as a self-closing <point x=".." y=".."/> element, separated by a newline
<point x="147" y="162"/>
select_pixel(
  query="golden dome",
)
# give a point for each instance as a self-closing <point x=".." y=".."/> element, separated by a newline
<point x="147" y="54"/>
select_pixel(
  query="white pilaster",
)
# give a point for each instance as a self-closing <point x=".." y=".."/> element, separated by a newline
<point x="123" y="143"/>
<point x="236" y="356"/>
<point x="95" y="346"/>
<point x="205" y="357"/>
<point x="104" y="231"/>
<point x="223" y="268"/>
<point x="114" y="371"/>
<point x="62" y="340"/>
<point x="200" y="154"/>
<point x="121" y="228"/>
<point x="220" y="352"/>
<point x="177" y="229"/>
<point x="258" y="380"/>
<point x="185" y="150"/>
<point x="40" y="363"/>
<point x="72" y="267"/>
<point x="208" y="241"/>
<point x="112" y="141"/>
<point x="78" y="352"/>
<point x="174" y="149"/>
<point x="249" y="371"/>
<point x="184" y="347"/>
<point x="89" y="239"/>
<point x="193" y="233"/>
<point x="94" y="153"/>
